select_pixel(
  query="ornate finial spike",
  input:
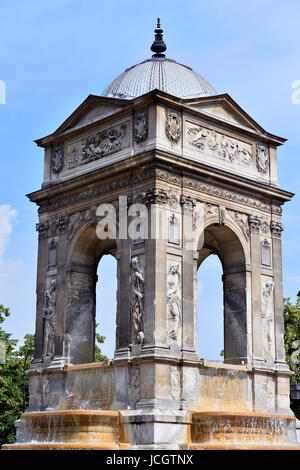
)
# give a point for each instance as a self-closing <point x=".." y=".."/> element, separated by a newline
<point x="158" y="46"/>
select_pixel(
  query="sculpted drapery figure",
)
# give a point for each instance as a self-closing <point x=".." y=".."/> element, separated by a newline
<point x="267" y="315"/>
<point x="49" y="319"/>
<point x="137" y="299"/>
<point x="174" y="300"/>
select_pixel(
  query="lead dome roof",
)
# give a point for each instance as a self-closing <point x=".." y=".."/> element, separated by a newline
<point x="159" y="73"/>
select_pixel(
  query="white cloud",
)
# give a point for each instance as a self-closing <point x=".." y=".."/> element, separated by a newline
<point x="7" y="216"/>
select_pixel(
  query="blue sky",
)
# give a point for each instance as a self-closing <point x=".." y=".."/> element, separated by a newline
<point x="55" y="52"/>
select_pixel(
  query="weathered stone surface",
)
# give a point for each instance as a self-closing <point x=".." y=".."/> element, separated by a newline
<point x="210" y="186"/>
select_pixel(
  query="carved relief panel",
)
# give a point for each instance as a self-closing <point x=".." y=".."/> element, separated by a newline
<point x="140" y="126"/>
<point x="174" y="302"/>
<point x="137" y="294"/>
<point x="173" y="126"/>
<point x="267" y="312"/>
<point x="49" y="320"/>
<point x="218" y="145"/>
<point x="98" y="145"/>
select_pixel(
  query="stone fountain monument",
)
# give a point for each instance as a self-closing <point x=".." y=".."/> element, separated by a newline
<point x="195" y="175"/>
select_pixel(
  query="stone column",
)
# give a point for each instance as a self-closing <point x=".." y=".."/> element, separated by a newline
<point x="155" y="274"/>
<point x="123" y="327"/>
<point x="42" y="228"/>
<point x="189" y="277"/>
<point x="257" y="343"/>
<point x="276" y="229"/>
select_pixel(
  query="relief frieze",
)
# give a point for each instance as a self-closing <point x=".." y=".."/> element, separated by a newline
<point x="219" y="145"/>
<point x="98" y="146"/>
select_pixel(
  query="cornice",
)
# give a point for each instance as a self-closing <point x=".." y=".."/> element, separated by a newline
<point x="156" y="97"/>
<point x="121" y="174"/>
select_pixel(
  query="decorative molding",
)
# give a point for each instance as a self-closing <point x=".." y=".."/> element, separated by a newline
<point x="89" y="194"/>
<point x="42" y="229"/>
<point x="140" y="126"/>
<point x="62" y="223"/>
<point x="187" y="202"/>
<point x="49" y="316"/>
<point x="262" y="157"/>
<point x="157" y="196"/>
<point x="265" y="228"/>
<point x="187" y="182"/>
<point x="219" y="145"/>
<point x="174" y="300"/>
<point x="276" y="228"/>
<point x="97" y="146"/>
<point x="254" y="223"/>
<point x="229" y="195"/>
<point x="168" y="177"/>
<point x="53" y="227"/>
<point x="173" y="126"/>
<point x="57" y="158"/>
<point x="137" y="299"/>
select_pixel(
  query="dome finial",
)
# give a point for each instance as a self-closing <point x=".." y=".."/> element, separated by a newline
<point x="158" y="46"/>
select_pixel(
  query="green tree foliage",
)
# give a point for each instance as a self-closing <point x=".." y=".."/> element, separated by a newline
<point x="11" y="380"/>
<point x="99" y="357"/>
<point x="292" y="333"/>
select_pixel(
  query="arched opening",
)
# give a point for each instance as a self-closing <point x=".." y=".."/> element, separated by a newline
<point x="222" y="241"/>
<point x="106" y="304"/>
<point x="87" y="254"/>
<point x="210" y="308"/>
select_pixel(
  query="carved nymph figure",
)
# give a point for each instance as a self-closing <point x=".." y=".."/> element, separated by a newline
<point x="174" y="300"/>
<point x="267" y="316"/>
<point x="137" y="299"/>
<point x="49" y="319"/>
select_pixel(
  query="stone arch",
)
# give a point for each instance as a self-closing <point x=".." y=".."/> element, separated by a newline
<point x="84" y="255"/>
<point x="230" y="246"/>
